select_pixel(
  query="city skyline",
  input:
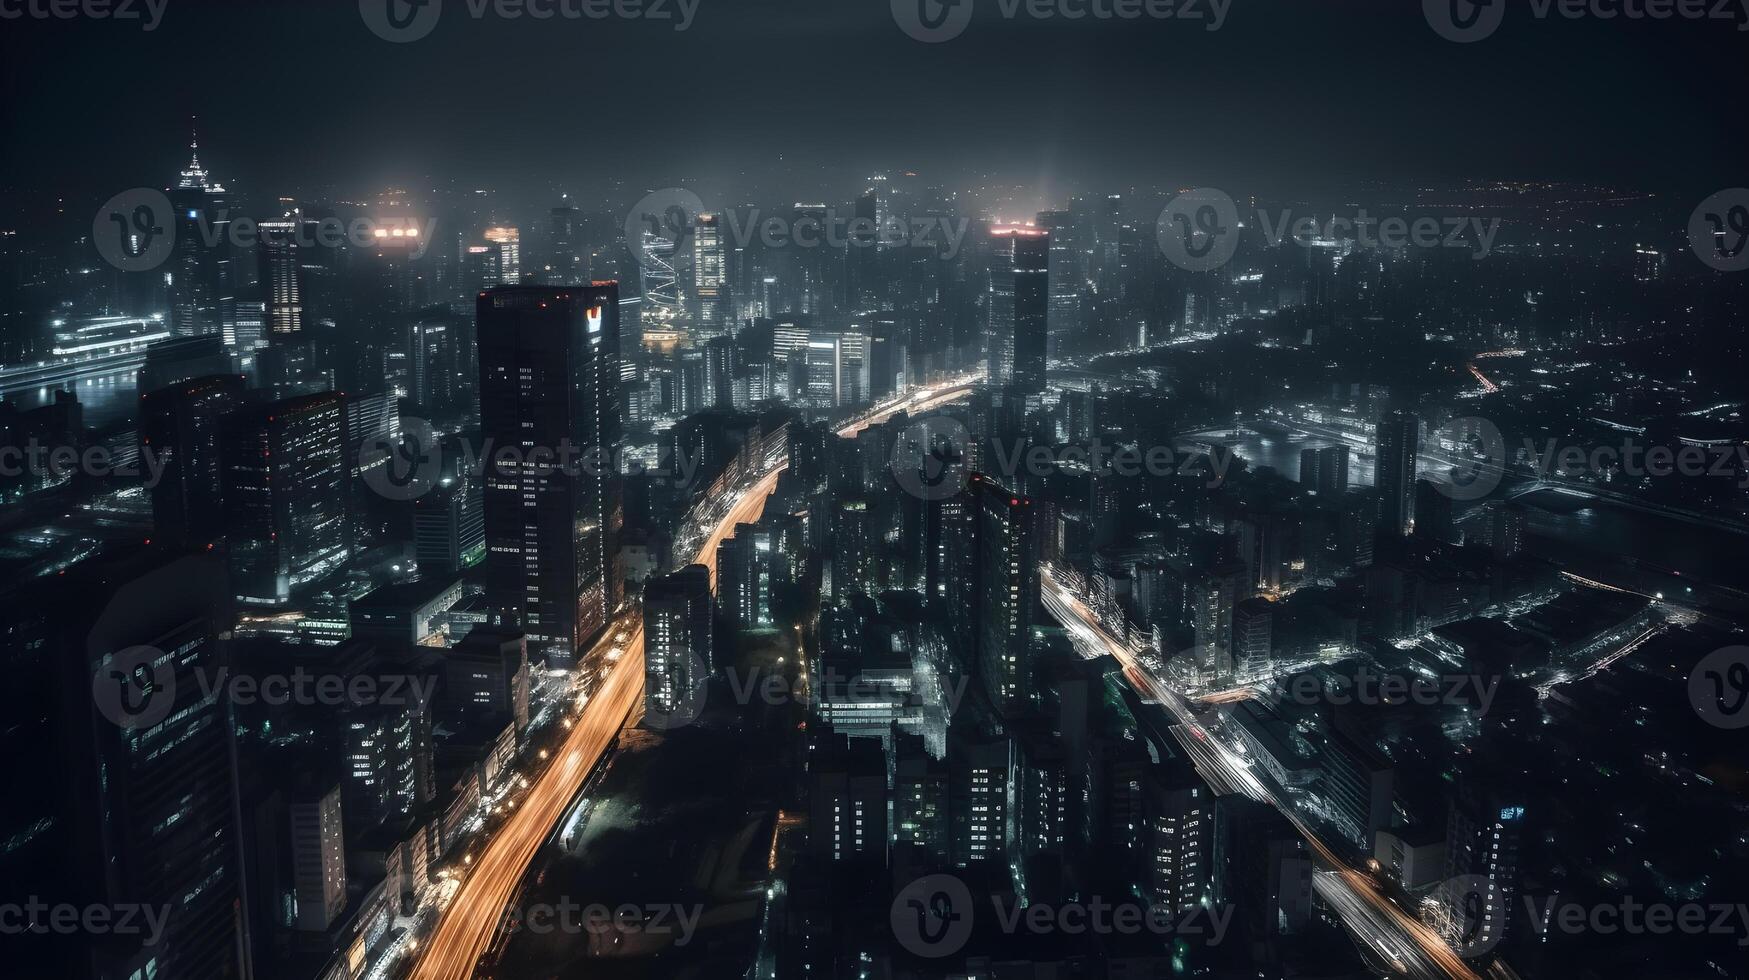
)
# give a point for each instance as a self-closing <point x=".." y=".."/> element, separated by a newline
<point x="902" y="490"/>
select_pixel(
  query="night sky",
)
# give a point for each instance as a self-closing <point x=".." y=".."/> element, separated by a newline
<point x="295" y="94"/>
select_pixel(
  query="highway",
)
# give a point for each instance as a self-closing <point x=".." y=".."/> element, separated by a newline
<point x="1399" y="938"/>
<point x="466" y="927"/>
<point x="468" y="924"/>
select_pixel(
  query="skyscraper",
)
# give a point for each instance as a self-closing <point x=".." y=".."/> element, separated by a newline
<point x="709" y="275"/>
<point x="179" y="426"/>
<point x="1007" y="591"/>
<point x="746" y="569"/>
<point x="508" y="242"/>
<point x="202" y="278"/>
<point x="285" y="484"/>
<point x="1252" y="636"/>
<point x="1324" y="470"/>
<point x="318" y="856"/>
<point x="281" y="278"/>
<point x="1180" y="835"/>
<point x="567" y="263"/>
<point x="677" y="639"/>
<point x="1399" y="444"/>
<point x="549" y="388"/>
<point x="132" y="788"/>
<point x="1483" y="831"/>
<point x="1067" y="278"/>
<point x="1019" y="305"/>
<point x="1214" y="597"/>
<point x="978" y="797"/>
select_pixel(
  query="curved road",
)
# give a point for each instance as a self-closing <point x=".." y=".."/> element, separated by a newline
<point x="466" y="927"/>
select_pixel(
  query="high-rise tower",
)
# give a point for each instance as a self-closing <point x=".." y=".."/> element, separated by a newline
<point x="549" y="390"/>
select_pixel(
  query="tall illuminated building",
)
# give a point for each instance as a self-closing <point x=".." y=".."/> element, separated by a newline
<point x="746" y="570"/>
<point x="549" y="385"/>
<point x="979" y="801"/>
<point x="1484" y="828"/>
<point x="281" y="278"/>
<point x="133" y="792"/>
<point x="179" y="428"/>
<point x="286" y="470"/>
<point x="482" y="268"/>
<point x="1399" y="444"/>
<point x="677" y="639"/>
<point x="1212" y="600"/>
<point x="1324" y="470"/>
<point x="508" y="242"/>
<point x="1067" y="277"/>
<point x="1016" y="333"/>
<point x="1006" y="591"/>
<point x="709" y="275"/>
<point x="202" y="274"/>
<point x="567" y="261"/>
<point x="1180" y="836"/>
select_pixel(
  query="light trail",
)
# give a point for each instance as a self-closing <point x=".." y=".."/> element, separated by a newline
<point x="469" y="923"/>
<point x="1423" y="952"/>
